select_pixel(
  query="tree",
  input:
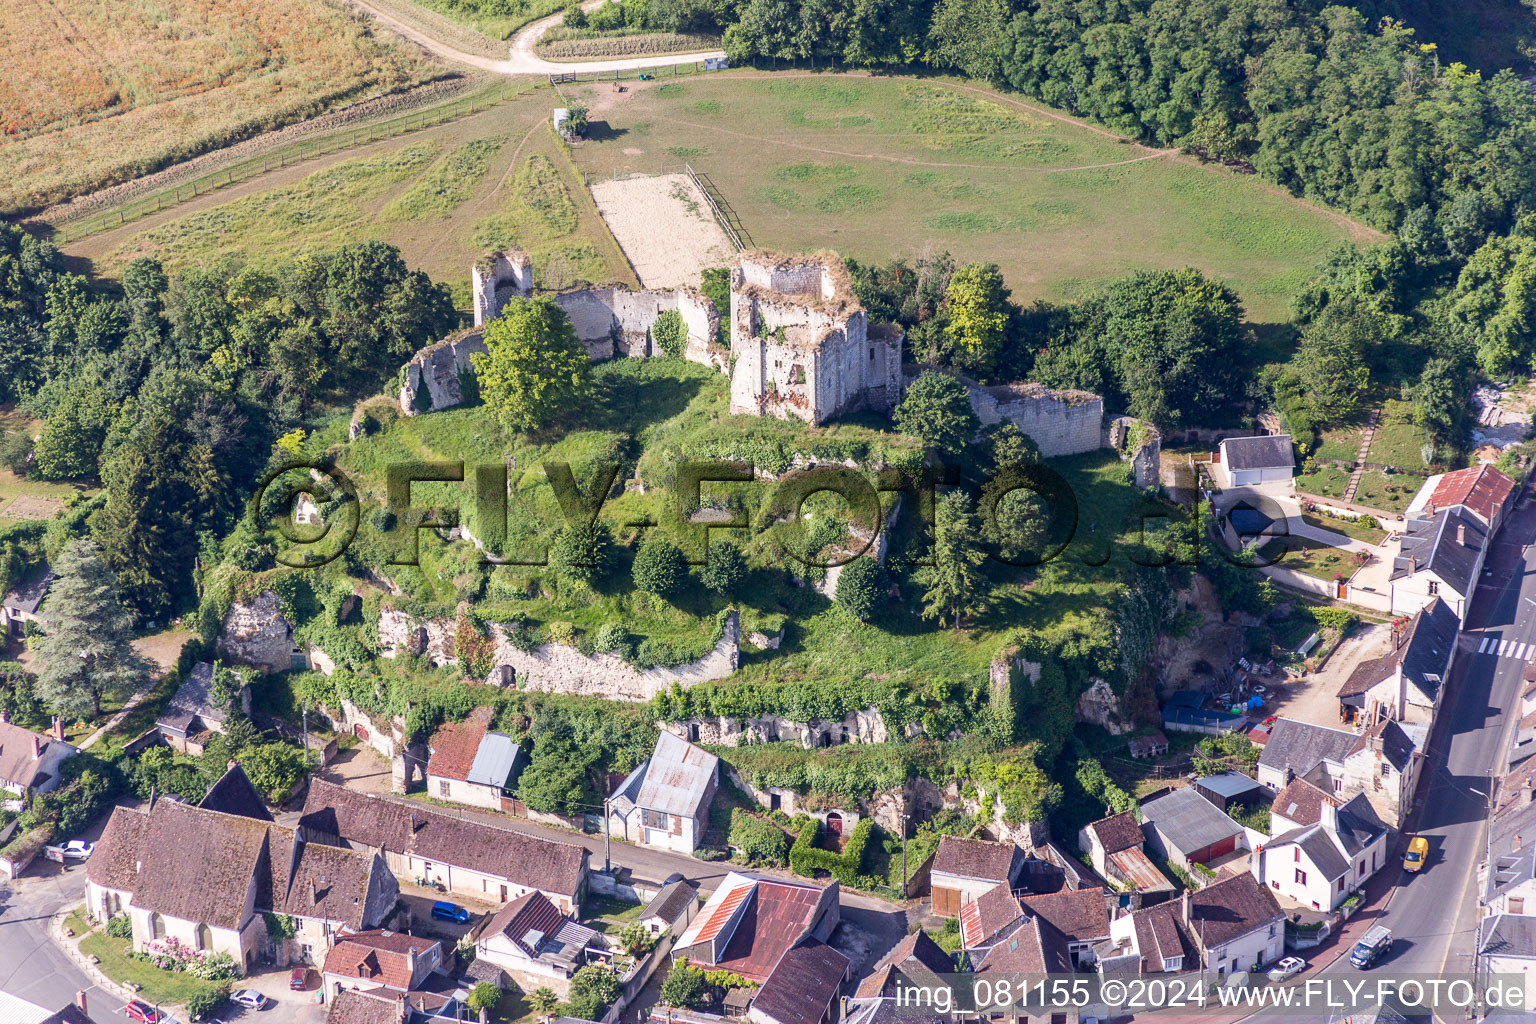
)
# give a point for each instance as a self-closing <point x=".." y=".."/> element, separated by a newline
<point x="670" y="333"/>
<point x="275" y="769"/>
<point x="1004" y="444"/>
<point x="533" y="369"/>
<point x="937" y="411"/>
<point x="16" y="451"/>
<point x="978" y="309"/>
<point x="1014" y="517"/>
<point x="724" y="569"/>
<point x="87" y="653"/>
<point x="575" y="123"/>
<point x="582" y="552"/>
<point x="683" y="986"/>
<point x="636" y="939"/>
<point x="71" y="439"/>
<point x="593" y="990"/>
<point x="543" y="1000"/>
<point x="574" y="16"/>
<point x="1331" y="362"/>
<point x="659" y="567"/>
<point x="952" y="585"/>
<point x="859" y="588"/>
<point x="484" y="996"/>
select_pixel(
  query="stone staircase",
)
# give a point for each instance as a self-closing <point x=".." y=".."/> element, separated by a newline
<point x="1365" y="449"/>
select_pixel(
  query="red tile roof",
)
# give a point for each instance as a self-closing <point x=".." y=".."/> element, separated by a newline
<point x="1118" y="832"/>
<point x="378" y="956"/>
<point x="723" y="911"/>
<point x="988" y="914"/>
<point x="1300" y="803"/>
<point x="454" y="745"/>
<point x="354" y="1007"/>
<point x="1482" y="489"/>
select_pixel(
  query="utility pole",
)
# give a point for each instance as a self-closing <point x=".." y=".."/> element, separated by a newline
<point x="904" y="818"/>
<point x="607" y="836"/>
<point x="305" y="713"/>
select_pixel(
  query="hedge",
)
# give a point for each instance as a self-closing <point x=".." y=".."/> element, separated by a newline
<point x="805" y="858"/>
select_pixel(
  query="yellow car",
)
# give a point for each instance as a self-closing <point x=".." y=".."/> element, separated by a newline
<point x="1418" y="853"/>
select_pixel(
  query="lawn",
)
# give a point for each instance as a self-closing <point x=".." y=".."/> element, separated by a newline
<point x="163" y="988"/>
<point x="1308" y="556"/>
<point x="1399" y="441"/>
<point x="1390" y="492"/>
<point x="609" y="915"/>
<point x="1326" y="481"/>
<point x="1348" y="527"/>
<point x="1342" y="442"/>
<point x="445" y="196"/>
<point x="883" y="167"/>
<point x="97" y="92"/>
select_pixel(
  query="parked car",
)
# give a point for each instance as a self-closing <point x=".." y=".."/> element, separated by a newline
<point x="141" y="1011"/>
<point x="1287" y="968"/>
<point x="1373" y="946"/>
<point x="445" y="911"/>
<point x="299" y="979"/>
<point x="250" y="999"/>
<point x="1417" y="855"/>
<point x="78" y="849"/>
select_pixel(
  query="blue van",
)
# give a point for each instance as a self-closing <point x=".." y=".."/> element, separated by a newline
<point x="445" y="911"/>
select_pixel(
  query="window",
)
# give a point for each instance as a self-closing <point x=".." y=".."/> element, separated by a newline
<point x="1386" y="769"/>
<point x="1297" y="852"/>
<point x="156" y="926"/>
<point x="1271" y="931"/>
<point x="442" y="787"/>
<point x="1434" y="587"/>
<point x="1362" y="867"/>
<point x="1338" y="784"/>
<point x="654" y="819"/>
<point x="1301" y="877"/>
<point x="1173" y="963"/>
<point x="1517" y="904"/>
<point x="204" y="937"/>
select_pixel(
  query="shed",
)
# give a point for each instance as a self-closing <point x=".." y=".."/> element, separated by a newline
<point x="1185" y="827"/>
<point x="1257" y="460"/>
<point x="1231" y="788"/>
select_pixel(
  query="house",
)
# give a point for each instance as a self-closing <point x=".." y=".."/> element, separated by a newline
<point x="470" y="764"/>
<point x="1408" y="681"/>
<point x="21" y="605"/>
<point x="1152" y="940"/>
<point x="535" y="944"/>
<point x="379" y="961"/>
<point x="207" y="879"/>
<point x="805" y="988"/>
<point x="986" y="917"/>
<point x="1508" y="877"/>
<point x="1297" y="748"/>
<point x="673" y="908"/>
<point x="1116" y="846"/>
<point x="1080" y="916"/>
<point x="1154" y="745"/>
<point x="358" y="1007"/>
<point x="1229" y="789"/>
<point x="1320" y="865"/>
<point x="1482" y="490"/>
<point x="1507" y="946"/>
<point x="1441" y="556"/>
<point x="235" y="794"/>
<point x="1236" y="924"/>
<point x="468" y="857"/>
<point x="1257" y="460"/>
<point x="1034" y="946"/>
<point x="16" y="1010"/>
<point x="196" y="711"/>
<point x="750" y="922"/>
<point x="31" y="762"/>
<point x="665" y="802"/>
<point x="1184" y="828"/>
<point x="963" y="869"/>
<point x="917" y="958"/>
<point x="1299" y="804"/>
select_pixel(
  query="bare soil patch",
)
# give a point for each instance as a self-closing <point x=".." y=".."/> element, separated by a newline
<point x="665" y="227"/>
<point x="30" y="506"/>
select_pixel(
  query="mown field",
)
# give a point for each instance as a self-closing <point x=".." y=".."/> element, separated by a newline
<point x="100" y="91"/>
<point x="445" y="196"/>
<point x="882" y="167"/>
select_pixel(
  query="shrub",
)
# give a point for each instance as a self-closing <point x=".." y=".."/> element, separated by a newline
<point x="684" y="986"/>
<point x="574" y="16"/>
<point x="670" y="333"/>
<point x="582" y="554"/>
<point x="204" y="1001"/>
<point x="659" y="567"/>
<point x="759" y="841"/>
<point x="858" y="587"/>
<point x="120" y="926"/>
<point x="593" y="990"/>
<point x="562" y="633"/>
<point x="611" y="637"/>
<point x="725" y="569"/>
<point x="483" y="996"/>
<point x="636" y="939"/>
<point x="805" y="858"/>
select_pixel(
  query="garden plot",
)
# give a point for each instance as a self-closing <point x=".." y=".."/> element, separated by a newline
<point x="665" y="227"/>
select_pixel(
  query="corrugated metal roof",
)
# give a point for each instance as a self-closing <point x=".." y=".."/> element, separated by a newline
<point x="1228" y="784"/>
<point x="1189" y="821"/>
<point x="16" y="1010"/>
<point x="719" y="911"/>
<point x="494" y="760"/>
<point x="1139" y="869"/>
<point x="678" y="777"/>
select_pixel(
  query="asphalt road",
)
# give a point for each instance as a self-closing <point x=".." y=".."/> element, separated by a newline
<point x="31" y="966"/>
<point x="1433" y="915"/>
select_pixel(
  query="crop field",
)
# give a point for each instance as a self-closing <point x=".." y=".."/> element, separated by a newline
<point x="883" y="167"/>
<point x="99" y="91"/>
<point x="445" y="196"/>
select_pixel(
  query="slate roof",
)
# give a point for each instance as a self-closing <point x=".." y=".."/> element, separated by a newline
<point x="193" y="701"/>
<point x="18" y="766"/>
<point x="1423" y="650"/>
<point x="1300" y="746"/>
<point x="353" y="1007"/>
<point x="802" y="987"/>
<point x="1396" y="745"/>
<point x="536" y="926"/>
<point x="401" y="826"/>
<point x="1482" y="489"/>
<point x="379" y="956"/>
<point x="976" y="858"/>
<point x="1118" y="832"/>
<point x="678" y="777"/>
<point x="1300" y="802"/>
<point x="1034" y="947"/>
<point x="1189" y="821"/>
<point x="1080" y="914"/>
<point x="454" y="746"/>
<point x="1231" y="907"/>
<point x="917" y="957"/>
<point x="671" y="901"/>
<point x="1272" y="451"/>
<point x="988" y="914"/>
<point x="494" y="760"/>
<point x="214" y="861"/>
<point x="29" y="595"/>
<point x="235" y="794"/>
<point x="1511" y="866"/>
<point x="1511" y="935"/>
<point x="1431" y="545"/>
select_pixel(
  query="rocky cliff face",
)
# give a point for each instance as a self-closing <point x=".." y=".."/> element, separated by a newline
<point x="866" y="726"/>
<point x="255" y="633"/>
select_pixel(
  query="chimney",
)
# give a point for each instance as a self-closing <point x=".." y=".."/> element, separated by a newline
<point x="314" y="893"/>
<point x="1461" y="533"/>
<point x="1516" y="847"/>
<point x="1186" y="900"/>
<point x="1330" y="815"/>
<point x="80" y="1001"/>
<point x="58" y="728"/>
<point x="231" y="766"/>
<point x="37" y="746"/>
<point x="410" y="962"/>
<point x="413" y="823"/>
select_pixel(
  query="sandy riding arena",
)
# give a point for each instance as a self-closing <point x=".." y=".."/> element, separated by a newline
<point x="665" y="227"/>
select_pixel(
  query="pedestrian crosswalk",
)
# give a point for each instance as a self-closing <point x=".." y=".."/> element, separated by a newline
<point x="1507" y="648"/>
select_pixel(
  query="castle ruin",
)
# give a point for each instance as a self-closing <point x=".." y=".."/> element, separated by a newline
<point x="801" y="342"/>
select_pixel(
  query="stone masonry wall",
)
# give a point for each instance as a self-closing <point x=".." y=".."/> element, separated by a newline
<point x="555" y="668"/>
<point x="495" y="279"/>
<point x="866" y="726"/>
<point x="437" y="368"/>
<point x="255" y="633"/>
<point x="1145" y="459"/>
<point x="1059" y="422"/>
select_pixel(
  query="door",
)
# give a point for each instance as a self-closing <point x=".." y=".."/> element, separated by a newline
<point x="834" y="823"/>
